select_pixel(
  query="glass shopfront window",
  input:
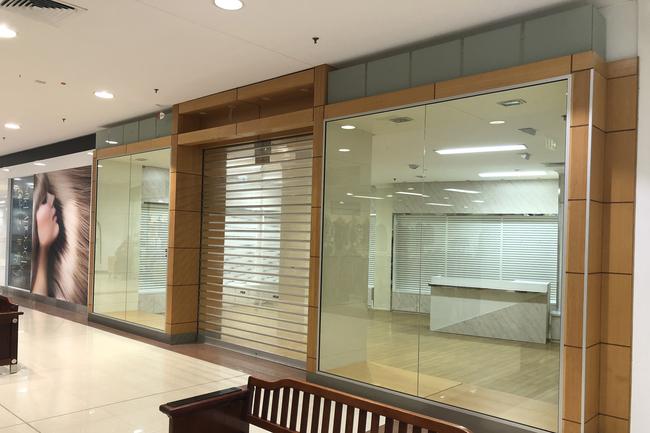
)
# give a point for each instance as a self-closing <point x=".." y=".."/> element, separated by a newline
<point x="20" y="236"/>
<point x="131" y="235"/>
<point x="442" y="251"/>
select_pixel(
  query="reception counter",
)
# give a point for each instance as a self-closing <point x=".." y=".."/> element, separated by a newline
<point x="510" y="310"/>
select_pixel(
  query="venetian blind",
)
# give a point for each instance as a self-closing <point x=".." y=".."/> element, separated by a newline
<point x="255" y="245"/>
<point x="495" y="247"/>
<point x="154" y="231"/>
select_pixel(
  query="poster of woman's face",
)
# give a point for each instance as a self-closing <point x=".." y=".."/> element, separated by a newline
<point x="60" y="239"/>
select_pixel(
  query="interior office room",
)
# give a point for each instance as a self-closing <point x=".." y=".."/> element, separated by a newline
<point x="324" y="217"/>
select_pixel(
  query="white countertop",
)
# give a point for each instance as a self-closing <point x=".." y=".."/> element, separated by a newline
<point x="477" y="283"/>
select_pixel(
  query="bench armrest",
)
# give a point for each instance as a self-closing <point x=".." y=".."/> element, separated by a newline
<point x="222" y="411"/>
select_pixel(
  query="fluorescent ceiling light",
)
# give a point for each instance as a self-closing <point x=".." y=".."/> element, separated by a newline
<point x="497" y="122"/>
<point x="348" y="193"/>
<point x="229" y="5"/>
<point x="417" y="194"/>
<point x="481" y="149"/>
<point x="6" y="32"/>
<point x="5" y="169"/>
<point x="464" y="191"/>
<point x="439" y="204"/>
<point x="348" y="127"/>
<point x="40" y="164"/>
<point x="410" y="188"/>
<point x="104" y="94"/>
<point x="478" y="201"/>
<point x="11" y="125"/>
<point x="531" y="173"/>
<point x="111" y="142"/>
<point x="368" y="196"/>
<point x="390" y="196"/>
<point x="344" y="149"/>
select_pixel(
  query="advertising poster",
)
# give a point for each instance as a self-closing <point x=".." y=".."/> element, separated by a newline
<point x="60" y="234"/>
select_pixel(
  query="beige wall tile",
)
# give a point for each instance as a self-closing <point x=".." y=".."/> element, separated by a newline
<point x="184" y="229"/>
<point x="608" y="424"/>
<point x="593" y="310"/>
<point x="616" y="309"/>
<point x="572" y="383"/>
<point x="618" y="238"/>
<point x="619" y="170"/>
<point x="575" y="245"/>
<point x="577" y="188"/>
<point x="597" y="163"/>
<point x="185" y="192"/>
<point x="580" y="98"/>
<point x="615" y="366"/>
<point x="573" y="301"/>
<point x="183" y="266"/>
<point x="592" y="382"/>
<point x="622" y="95"/>
<point x="595" y="237"/>
<point x="600" y="102"/>
<point x="182" y="304"/>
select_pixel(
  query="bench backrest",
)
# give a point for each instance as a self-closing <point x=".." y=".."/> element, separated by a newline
<point x="293" y="406"/>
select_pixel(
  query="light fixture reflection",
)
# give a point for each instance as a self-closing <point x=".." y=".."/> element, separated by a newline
<point x="464" y="191"/>
<point x="481" y="149"/>
<point x="531" y="173"/>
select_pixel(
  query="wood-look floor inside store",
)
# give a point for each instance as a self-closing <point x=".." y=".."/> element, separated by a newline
<point x="507" y="379"/>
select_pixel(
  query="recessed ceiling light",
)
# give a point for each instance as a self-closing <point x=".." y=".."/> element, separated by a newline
<point x="104" y="94"/>
<point x="6" y="32"/>
<point x="99" y="166"/>
<point x="344" y="150"/>
<point x="512" y="102"/>
<point x="410" y="188"/>
<point x="348" y="193"/>
<point x="348" y="127"/>
<point x="481" y="149"/>
<point x="439" y="204"/>
<point x="390" y="196"/>
<point x="229" y="5"/>
<point x="497" y="122"/>
<point x="40" y="164"/>
<point x="531" y="173"/>
<point x="464" y="191"/>
<point x="417" y="194"/>
<point x="368" y="197"/>
<point x="11" y="125"/>
<point x="341" y="202"/>
<point x="112" y="142"/>
<point x="478" y="201"/>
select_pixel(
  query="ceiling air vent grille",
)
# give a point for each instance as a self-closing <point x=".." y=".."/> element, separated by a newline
<point x="49" y="11"/>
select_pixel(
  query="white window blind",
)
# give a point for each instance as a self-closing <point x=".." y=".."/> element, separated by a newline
<point x="154" y="230"/>
<point x="255" y="245"/>
<point x="510" y="247"/>
<point x="372" y="248"/>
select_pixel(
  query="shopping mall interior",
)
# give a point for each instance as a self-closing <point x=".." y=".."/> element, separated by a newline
<point x="324" y="217"/>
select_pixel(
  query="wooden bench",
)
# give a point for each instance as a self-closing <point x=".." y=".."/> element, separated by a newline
<point x="292" y="406"/>
<point x="9" y="334"/>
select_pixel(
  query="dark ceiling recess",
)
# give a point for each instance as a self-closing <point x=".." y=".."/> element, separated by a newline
<point x="79" y="144"/>
<point x="44" y="4"/>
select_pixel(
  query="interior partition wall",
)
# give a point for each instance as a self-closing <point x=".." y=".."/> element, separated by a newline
<point x="131" y="238"/>
<point x="442" y="239"/>
<point x="255" y="247"/>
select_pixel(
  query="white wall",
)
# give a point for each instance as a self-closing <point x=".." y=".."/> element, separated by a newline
<point x="640" y="417"/>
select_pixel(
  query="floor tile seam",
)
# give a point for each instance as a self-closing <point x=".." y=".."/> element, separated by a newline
<point x="13" y="414"/>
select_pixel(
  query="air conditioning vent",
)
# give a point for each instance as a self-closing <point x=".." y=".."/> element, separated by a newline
<point x="48" y="11"/>
<point x="529" y="131"/>
<point x="402" y="119"/>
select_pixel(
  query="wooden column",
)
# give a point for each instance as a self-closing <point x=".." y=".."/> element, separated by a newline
<point x="184" y="240"/>
<point x="320" y="97"/>
<point x="619" y="178"/>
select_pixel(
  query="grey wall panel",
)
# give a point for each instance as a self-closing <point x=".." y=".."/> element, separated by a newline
<point x="115" y="135"/>
<point x="599" y="41"/>
<point x="164" y="125"/>
<point x="388" y="74"/>
<point x="346" y="83"/>
<point x="131" y="134"/>
<point x="147" y="129"/>
<point x="495" y="49"/>
<point x="558" y="34"/>
<point x="437" y="63"/>
<point x="100" y="139"/>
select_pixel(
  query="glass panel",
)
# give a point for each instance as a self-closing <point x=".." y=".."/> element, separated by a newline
<point x="442" y="249"/>
<point x="361" y="337"/>
<point x="112" y="236"/>
<point x="131" y="238"/>
<point x="20" y="253"/>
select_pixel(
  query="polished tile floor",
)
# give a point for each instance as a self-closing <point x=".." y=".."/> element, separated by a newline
<point x="76" y="378"/>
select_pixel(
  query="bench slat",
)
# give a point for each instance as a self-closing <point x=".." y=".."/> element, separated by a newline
<point x="275" y="401"/>
<point x="304" y="417"/>
<point x="293" y="420"/>
<point x="338" y="415"/>
<point x="285" y="407"/>
<point x="325" y="425"/>
<point x="389" y="425"/>
<point x="374" y="423"/>
<point x="315" y="414"/>
<point x="361" y="424"/>
<point x="266" y="398"/>
<point x="349" y="419"/>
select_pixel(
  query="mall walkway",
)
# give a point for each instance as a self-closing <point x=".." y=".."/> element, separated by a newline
<point x="77" y="378"/>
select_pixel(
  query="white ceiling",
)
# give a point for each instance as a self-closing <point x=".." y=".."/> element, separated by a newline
<point x="385" y="149"/>
<point x="190" y="48"/>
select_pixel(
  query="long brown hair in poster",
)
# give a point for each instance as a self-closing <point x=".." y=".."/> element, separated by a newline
<point x="61" y="242"/>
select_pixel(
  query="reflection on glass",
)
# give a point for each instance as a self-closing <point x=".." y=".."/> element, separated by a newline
<point x="441" y="252"/>
<point x="131" y="238"/>
<point x="20" y="253"/>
